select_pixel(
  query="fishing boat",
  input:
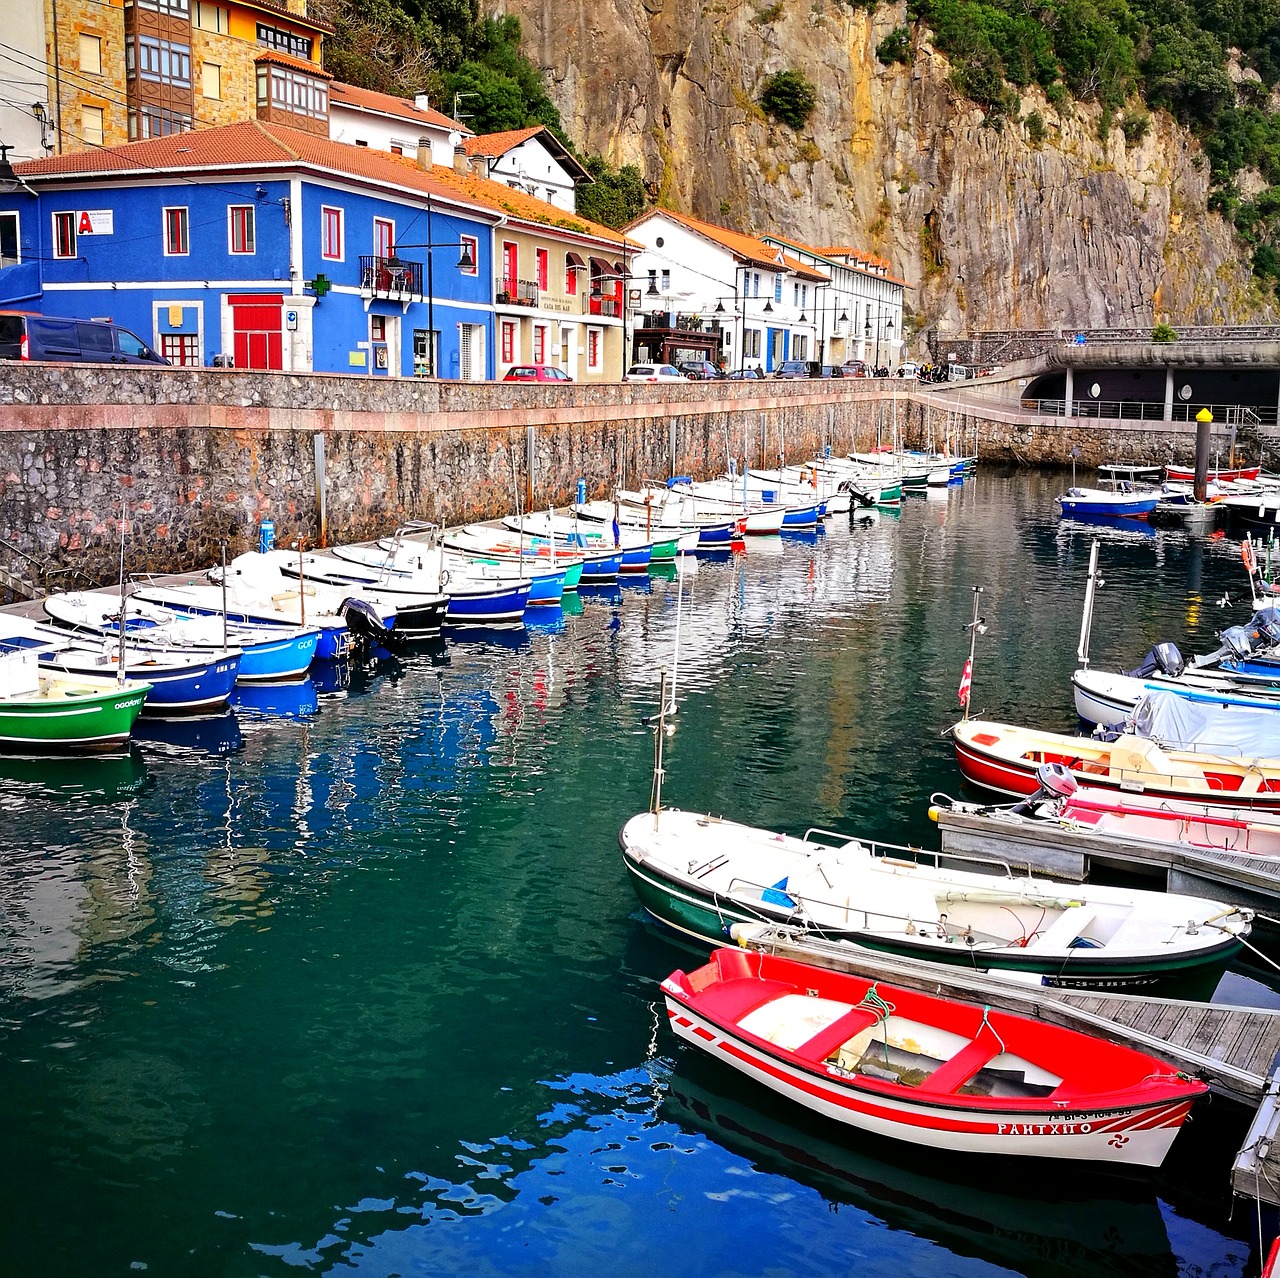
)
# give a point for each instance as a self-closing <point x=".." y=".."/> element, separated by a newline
<point x="1110" y="700"/>
<point x="660" y="512"/>
<point x="1121" y="499"/>
<point x="265" y="654"/>
<point x="927" y="1069"/>
<point x="1062" y="811"/>
<point x="44" y="712"/>
<point x="179" y="682"/>
<point x="545" y="532"/>
<point x="668" y="543"/>
<point x="1004" y="758"/>
<point x="1132" y="471"/>
<point x="769" y="513"/>
<point x="1230" y="474"/>
<point x="699" y="875"/>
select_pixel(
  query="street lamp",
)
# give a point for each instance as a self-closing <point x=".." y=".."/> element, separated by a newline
<point x="465" y="263"/>
<point x="652" y="291"/>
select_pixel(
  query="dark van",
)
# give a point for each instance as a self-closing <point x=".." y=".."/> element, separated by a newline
<point x="51" y="337"/>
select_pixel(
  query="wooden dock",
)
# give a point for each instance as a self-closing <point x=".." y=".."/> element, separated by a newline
<point x="1236" y="1050"/>
<point x="1235" y="878"/>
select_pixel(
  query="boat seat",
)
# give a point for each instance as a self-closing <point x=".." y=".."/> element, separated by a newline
<point x="957" y="1071"/>
<point x="1064" y="929"/>
<point x="825" y="1042"/>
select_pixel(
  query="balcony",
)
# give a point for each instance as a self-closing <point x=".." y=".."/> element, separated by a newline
<point x="602" y="304"/>
<point x="514" y="292"/>
<point x="390" y="277"/>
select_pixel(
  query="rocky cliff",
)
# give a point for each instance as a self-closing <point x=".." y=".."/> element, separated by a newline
<point x="991" y="227"/>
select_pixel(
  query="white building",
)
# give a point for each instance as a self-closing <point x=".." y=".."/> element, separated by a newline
<point x="759" y="299"/>
<point x="531" y="160"/>
<point x="859" y="314"/>
<point x="26" y="121"/>
<point x="382" y="122"/>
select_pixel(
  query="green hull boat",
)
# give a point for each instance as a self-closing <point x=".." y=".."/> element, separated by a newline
<point x="49" y="713"/>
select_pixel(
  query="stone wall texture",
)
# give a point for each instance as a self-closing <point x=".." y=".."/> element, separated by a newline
<point x="187" y="460"/>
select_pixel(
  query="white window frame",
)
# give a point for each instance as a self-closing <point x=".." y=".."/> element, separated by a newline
<point x="474" y="242"/>
<point x="169" y="251"/>
<point x="595" y="336"/>
<point x="66" y="257"/>
<point x="251" y="226"/>
<point x="341" y="255"/>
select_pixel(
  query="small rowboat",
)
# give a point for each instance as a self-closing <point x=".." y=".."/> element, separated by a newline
<point x="1107" y="501"/>
<point x="700" y="875"/>
<point x="1187" y="474"/>
<point x="1004" y="757"/>
<point x="929" y="1070"/>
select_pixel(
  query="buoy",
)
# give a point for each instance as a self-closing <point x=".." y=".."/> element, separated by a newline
<point x="933" y="812"/>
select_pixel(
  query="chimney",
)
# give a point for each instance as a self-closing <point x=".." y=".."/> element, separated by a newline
<point x="460" y="159"/>
<point x="424" y="154"/>
<point x="422" y="101"/>
<point x="479" y="166"/>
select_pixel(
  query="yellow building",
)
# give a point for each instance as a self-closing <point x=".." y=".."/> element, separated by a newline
<point x="125" y="69"/>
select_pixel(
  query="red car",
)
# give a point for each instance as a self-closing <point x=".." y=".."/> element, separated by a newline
<point x="537" y="373"/>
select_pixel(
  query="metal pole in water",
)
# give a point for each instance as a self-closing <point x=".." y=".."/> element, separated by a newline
<point x="659" y="732"/>
<point x="975" y="628"/>
<point x="1204" y="419"/>
<point x="224" y="596"/>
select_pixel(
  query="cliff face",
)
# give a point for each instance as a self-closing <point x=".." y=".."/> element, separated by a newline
<point x="989" y="229"/>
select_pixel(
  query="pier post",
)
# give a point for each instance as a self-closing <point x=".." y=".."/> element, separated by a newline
<point x="1204" y="420"/>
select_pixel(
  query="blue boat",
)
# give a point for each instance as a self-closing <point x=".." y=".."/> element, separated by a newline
<point x="598" y="569"/>
<point x="717" y="536"/>
<point x="800" y="517"/>
<point x="497" y="605"/>
<point x="629" y="559"/>
<point x="1122" y="500"/>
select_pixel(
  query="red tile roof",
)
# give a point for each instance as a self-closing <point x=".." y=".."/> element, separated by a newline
<point x="386" y="104"/>
<point x="500" y="143"/>
<point x="746" y="248"/>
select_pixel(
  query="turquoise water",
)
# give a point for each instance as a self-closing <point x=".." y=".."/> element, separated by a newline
<point x="355" y="982"/>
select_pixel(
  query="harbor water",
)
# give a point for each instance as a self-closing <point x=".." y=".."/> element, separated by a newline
<point x="353" y="981"/>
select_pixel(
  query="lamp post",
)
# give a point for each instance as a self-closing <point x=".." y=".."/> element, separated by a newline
<point x="652" y="291"/>
<point x="465" y="263"/>
<point x="888" y="324"/>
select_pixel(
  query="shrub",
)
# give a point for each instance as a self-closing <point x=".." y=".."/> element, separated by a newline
<point x="1134" y="125"/>
<point x="1163" y="333"/>
<point x="789" y="97"/>
<point x="895" y="47"/>
<point x="1035" y="127"/>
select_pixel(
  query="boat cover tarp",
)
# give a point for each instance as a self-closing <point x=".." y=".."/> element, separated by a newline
<point x="1177" y="723"/>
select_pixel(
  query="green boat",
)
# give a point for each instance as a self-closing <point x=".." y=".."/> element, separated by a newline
<point x="42" y="713"/>
<point x="701" y="875"/>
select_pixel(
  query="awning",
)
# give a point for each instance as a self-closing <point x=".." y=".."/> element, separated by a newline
<point x="619" y="269"/>
<point x="602" y="267"/>
<point x="574" y="262"/>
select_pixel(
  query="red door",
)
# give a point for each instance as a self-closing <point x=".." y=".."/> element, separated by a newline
<point x="256" y="324"/>
<point x="510" y="266"/>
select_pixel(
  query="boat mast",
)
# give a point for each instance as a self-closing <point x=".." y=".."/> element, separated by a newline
<point x="1086" y="616"/>
<point x="659" y="732"/>
<point x="976" y="627"/>
<point x="224" y="597"/>
<point x="123" y="609"/>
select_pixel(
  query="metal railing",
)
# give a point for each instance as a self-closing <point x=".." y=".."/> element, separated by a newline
<point x="509" y="291"/>
<point x="1137" y="410"/>
<point x="390" y="276"/>
<point x="601" y="305"/>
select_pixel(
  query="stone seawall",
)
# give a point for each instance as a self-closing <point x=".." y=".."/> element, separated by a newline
<point x="193" y="459"/>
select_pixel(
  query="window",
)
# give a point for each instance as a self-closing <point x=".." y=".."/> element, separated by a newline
<point x="211" y="80"/>
<point x="290" y="91"/>
<point x="397" y="149"/>
<point x="241" y="228"/>
<point x="795" y="295"/>
<point x="426" y="348"/>
<point x="593" y="348"/>
<point x="508" y="342"/>
<point x="540" y="265"/>
<point x="64" y="235"/>
<point x="212" y="17"/>
<point x="156" y="122"/>
<point x="91" y="54"/>
<point x="10" y="254"/>
<point x="179" y="8"/>
<point x="377" y="328"/>
<point x="751" y="343"/>
<point x="539" y="344"/>
<point x="160" y="61"/>
<point x="91" y="125"/>
<point x="653" y="282"/>
<point x="799" y="346"/>
<point x="176" y="242"/>
<point x="331" y="234"/>
<point x="384" y="237"/>
<point x="755" y="281"/>
<point x="285" y="41"/>
<point x="804" y="296"/>
<point x="131" y="344"/>
<point x="666" y="281"/>
<point x="570" y="277"/>
<point x="180" y="348"/>
<point x="470" y="245"/>
<point x="777" y="288"/>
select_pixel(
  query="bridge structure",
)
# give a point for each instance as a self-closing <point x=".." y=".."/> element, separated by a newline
<point x="1113" y="376"/>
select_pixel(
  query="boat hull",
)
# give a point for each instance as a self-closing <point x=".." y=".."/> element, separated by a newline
<point x="709" y="916"/>
<point x="1132" y="1135"/>
<point x="85" y="720"/>
<point x="502" y="606"/>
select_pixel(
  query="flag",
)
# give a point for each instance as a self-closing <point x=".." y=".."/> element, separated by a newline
<point x="617" y="532"/>
<point x="966" y="679"/>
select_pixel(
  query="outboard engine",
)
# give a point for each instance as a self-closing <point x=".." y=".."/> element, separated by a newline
<point x="1265" y="626"/>
<point x="1164" y="658"/>
<point x="1057" y="784"/>
<point x="1237" y="641"/>
<point x="363" y="621"/>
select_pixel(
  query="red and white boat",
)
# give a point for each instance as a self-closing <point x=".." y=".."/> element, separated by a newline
<point x="929" y="1070"/>
<point x="1006" y="758"/>
<point x="1187" y="474"/>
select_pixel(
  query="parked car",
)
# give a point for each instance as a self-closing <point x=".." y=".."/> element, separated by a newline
<point x="654" y="373"/>
<point x="745" y="374"/>
<point x="536" y="373"/>
<point x="24" y="335"/>
<point x="855" y="368"/>
<point x="700" y="370"/>
<point x="792" y="368"/>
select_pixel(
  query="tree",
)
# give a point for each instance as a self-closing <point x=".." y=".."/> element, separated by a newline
<point x="789" y="97"/>
<point x="614" y="196"/>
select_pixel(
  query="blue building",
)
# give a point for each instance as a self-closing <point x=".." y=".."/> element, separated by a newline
<point x="262" y="246"/>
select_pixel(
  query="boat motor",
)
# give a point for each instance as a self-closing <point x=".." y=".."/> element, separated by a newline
<point x="363" y="621"/>
<point x="1237" y="641"/>
<point x="1164" y="658"/>
<point x="1265" y="628"/>
<point x="1057" y="785"/>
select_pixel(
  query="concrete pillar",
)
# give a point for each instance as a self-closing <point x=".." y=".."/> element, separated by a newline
<point x="1069" y="406"/>
<point x="1168" y="393"/>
